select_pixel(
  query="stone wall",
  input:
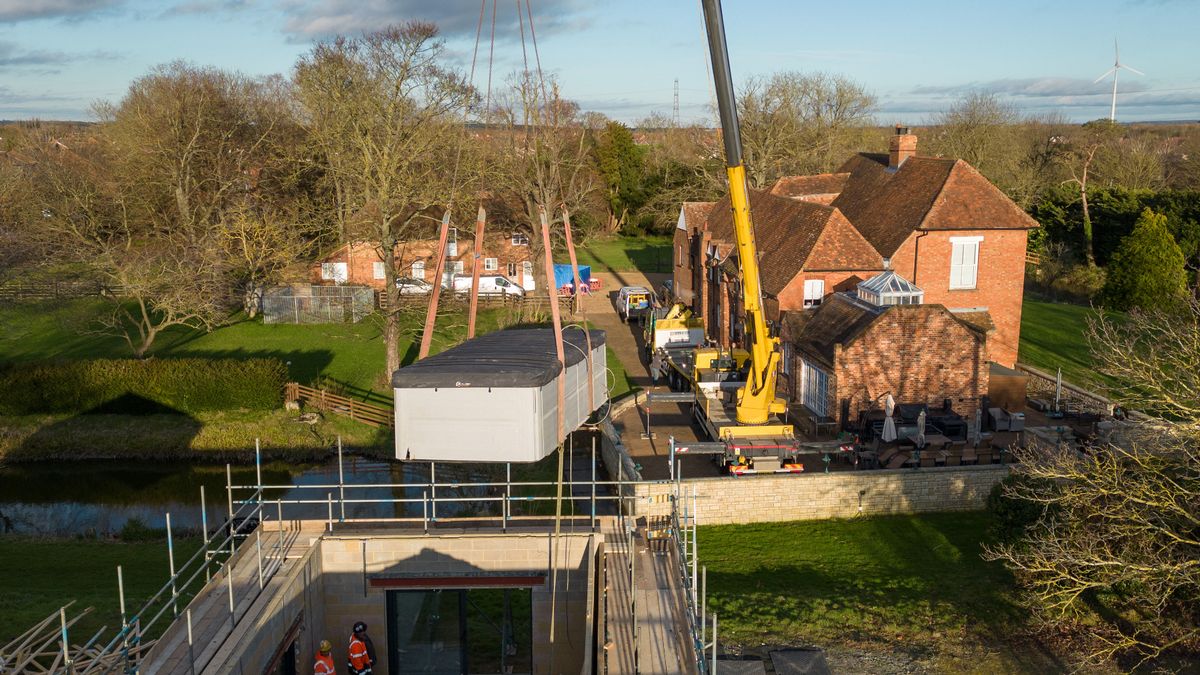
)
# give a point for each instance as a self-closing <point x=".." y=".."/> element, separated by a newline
<point x="842" y="494"/>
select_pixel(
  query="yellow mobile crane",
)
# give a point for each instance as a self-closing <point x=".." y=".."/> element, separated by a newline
<point x="747" y="376"/>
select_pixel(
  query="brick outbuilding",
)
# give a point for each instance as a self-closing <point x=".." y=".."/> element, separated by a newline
<point x="847" y="355"/>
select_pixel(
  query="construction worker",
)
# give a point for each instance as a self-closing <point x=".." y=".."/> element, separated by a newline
<point x="324" y="662"/>
<point x="361" y="651"/>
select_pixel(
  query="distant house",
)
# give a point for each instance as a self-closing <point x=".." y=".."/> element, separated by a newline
<point x="509" y="254"/>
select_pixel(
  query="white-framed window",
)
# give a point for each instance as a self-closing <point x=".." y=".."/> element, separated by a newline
<point x="511" y="270"/>
<point x="814" y="291"/>
<point x="452" y="243"/>
<point x="964" y="262"/>
<point x="491" y="264"/>
<point x="336" y="272"/>
<point x="814" y="388"/>
<point x="418" y="270"/>
<point x="378" y="271"/>
<point x="679" y="256"/>
<point x="457" y="267"/>
<point x="785" y="359"/>
<point x="527" y="270"/>
<point x="520" y="239"/>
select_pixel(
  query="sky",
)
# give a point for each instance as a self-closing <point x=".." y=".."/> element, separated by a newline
<point x="622" y="57"/>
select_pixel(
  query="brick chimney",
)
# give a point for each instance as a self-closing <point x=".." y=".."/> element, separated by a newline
<point x="902" y="146"/>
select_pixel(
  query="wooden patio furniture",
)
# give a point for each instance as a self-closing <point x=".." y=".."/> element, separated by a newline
<point x="898" y="460"/>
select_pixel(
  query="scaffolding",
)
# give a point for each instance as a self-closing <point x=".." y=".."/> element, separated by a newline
<point x="183" y="625"/>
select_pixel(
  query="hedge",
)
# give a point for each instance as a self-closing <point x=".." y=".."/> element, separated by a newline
<point x="142" y="386"/>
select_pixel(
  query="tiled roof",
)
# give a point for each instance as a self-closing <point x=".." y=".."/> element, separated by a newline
<point x="785" y="231"/>
<point x="925" y="192"/>
<point x="837" y="321"/>
<point x="803" y="186"/>
<point x="695" y="213"/>
<point x="843" y="318"/>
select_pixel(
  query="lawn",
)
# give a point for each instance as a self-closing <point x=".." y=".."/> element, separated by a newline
<point x="54" y="572"/>
<point x="915" y="584"/>
<point x="650" y="253"/>
<point x="348" y="357"/>
<point x="1053" y="335"/>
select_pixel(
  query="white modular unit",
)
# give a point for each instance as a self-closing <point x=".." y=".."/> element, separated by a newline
<point x="495" y="398"/>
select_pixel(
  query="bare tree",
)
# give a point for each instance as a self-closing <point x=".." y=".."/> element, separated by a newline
<point x="1118" y="541"/>
<point x="797" y="123"/>
<point x="1083" y="147"/>
<point x="541" y="160"/>
<point x="94" y="216"/>
<point x="1152" y="358"/>
<point x="381" y="112"/>
<point x="259" y="244"/>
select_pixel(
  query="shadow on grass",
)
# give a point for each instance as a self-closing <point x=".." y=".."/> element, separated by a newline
<point x="916" y="584"/>
<point x="108" y="425"/>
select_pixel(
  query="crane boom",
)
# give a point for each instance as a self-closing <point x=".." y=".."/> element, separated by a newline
<point x="756" y="400"/>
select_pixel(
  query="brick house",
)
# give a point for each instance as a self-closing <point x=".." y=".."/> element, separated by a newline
<point x="937" y="220"/>
<point x="806" y="251"/>
<point x="845" y="356"/>
<point x="359" y="263"/>
<point x="932" y="220"/>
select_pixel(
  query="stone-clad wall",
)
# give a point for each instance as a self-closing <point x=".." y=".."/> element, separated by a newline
<point x="349" y="597"/>
<point x="842" y="494"/>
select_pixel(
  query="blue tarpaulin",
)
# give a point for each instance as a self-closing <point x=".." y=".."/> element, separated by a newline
<point x="563" y="276"/>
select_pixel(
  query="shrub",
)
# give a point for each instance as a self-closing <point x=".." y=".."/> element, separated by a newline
<point x="1147" y="270"/>
<point x="1082" y="282"/>
<point x="1013" y="515"/>
<point x="137" y="386"/>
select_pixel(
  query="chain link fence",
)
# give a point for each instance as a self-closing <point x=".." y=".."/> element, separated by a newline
<point x="305" y="303"/>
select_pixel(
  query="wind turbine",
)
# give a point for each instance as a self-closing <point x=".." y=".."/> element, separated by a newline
<point x="1117" y="65"/>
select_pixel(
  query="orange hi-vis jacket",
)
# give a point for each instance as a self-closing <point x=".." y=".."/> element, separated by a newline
<point x="324" y="665"/>
<point x="359" y="660"/>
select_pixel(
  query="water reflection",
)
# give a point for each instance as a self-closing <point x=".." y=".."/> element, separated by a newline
<point x="99" y="498"/>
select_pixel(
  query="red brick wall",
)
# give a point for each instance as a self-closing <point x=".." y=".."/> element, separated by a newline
<point x="681" y="272"/>
<point x="361" y="257"/>
<point x="1000" y="282"/>
<point x="918" y="353"/>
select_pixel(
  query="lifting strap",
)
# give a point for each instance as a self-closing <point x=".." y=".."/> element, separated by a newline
<point x="435" y="292"/>
<point x="578" y="303"/>
<point x="479" y="225"/>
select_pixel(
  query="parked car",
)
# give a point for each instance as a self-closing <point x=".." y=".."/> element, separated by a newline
<point x="413" y="286"/>
<point x="489" y="284"/>
<point x="633" y="301"/>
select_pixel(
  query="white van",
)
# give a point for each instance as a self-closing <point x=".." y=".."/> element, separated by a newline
<point x="633" y="301"/>
<point x="489" y="284"/>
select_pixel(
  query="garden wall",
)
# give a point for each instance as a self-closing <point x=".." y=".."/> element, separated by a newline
<point x="841" y="494"/>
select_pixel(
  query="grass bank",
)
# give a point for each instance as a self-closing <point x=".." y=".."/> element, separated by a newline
<point x="45" y="574"/>
<point x="212" y="437"/>
<point x="650" y="253"/>
<point x="906" y="584"/>
<point x="1053" y="335"/>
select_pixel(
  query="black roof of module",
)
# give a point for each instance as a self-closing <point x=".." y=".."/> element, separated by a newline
<point x="523" y="357"/>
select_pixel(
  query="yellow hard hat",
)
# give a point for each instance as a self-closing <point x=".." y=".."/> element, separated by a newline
<point x="326" y="646"/>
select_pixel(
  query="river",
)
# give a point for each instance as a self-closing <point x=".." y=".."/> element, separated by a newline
<point x="98" y="498"/>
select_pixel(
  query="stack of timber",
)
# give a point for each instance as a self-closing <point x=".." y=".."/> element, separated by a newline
<point x="495" y="398"/>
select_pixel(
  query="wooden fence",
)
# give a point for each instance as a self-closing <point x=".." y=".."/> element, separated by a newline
<point x="374" y="415"/>
<point x="38" y="291"/>
<point x="1034" y="259"/>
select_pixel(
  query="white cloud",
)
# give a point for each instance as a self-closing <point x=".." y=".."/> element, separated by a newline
<point x="12" y="11"/>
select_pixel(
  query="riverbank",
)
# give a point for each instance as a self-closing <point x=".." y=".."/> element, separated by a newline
<point x="45" y="574"/>
<point x="221" y="436"/>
